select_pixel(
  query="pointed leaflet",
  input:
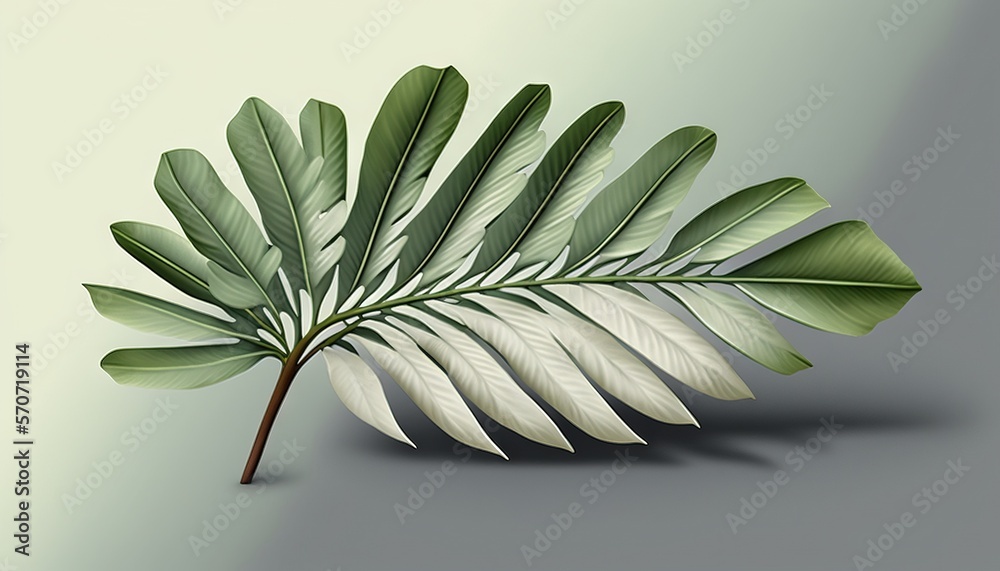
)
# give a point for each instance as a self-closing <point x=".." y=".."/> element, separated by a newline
<point x="745" y="219"/>
<point x="152" y="315"/>
<point x="480" y="378"/>
<point x="542" y="364"/>
<point x="657" y="335"/>
<point x="175" y="260"/>
<point x="632" y="212"/>
<point x="416" y="120"/>
<point x="324" y="134"/>
<point x="480" y="187"/>
<point x="168" y="255"/>
<point x="841" y="279"/>
<point x="611" y="365"/>
<point x="741" y="326"/>
<point x="361" y="392"/>
<point x="217" y="225"/>
<point x="288" y="190"/>
<point x="181" y="367"/>
<point x="538" y="223"/>
<point x="426" y="384"/>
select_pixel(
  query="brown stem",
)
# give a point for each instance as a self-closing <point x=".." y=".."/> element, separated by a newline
<point x="285" y="378"/>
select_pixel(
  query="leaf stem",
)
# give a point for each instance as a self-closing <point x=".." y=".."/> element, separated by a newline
<point x="285" y="377"/>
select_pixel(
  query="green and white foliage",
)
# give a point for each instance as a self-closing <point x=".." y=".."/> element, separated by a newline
<point x="502" y="286"/>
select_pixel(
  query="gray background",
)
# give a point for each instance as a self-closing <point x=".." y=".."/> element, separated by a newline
<point x="333" y="506"/>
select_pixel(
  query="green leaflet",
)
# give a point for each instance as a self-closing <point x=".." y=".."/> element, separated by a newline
<point x="240" y="260"/>
<point x="153" y="315"/>
<point x="168" y="255"/>
<point x="482" y="185"/>
<point x="741" y="326"/>
<point x="188" y="367"/>
<point x="538" y="224"/>
<point x="324" y="135"/>
<point x="417" y="119"/>
<point x="745" y="219"/>
<point x="289" y="191"/>
<point x="841" y="279"/>
<point x="175" y="260"/>
<point x="632" y="212"/>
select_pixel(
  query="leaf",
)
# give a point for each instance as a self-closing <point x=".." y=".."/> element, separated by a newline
<point x="664" y="339"/>
<point x="504" y="279"/>
<point x="289" y="192"/>
<point x="542" y="364"/>
<point x="841" y="279"/>
<point x="481" y="379"/>
<point x="238" y="291"/>
<point x="538" y="223"/>
<point x="175" y="260"/>
<point x="153" y="315"/>
<point x="168" y="255"/>
<point x="361" y="392"/>
<point x="216" y="223"/>
<point x="741" y="326"/>
<point x="745" y="219"/>
<point x="189" y="367"/>
<point x="416" y="120"/>
<point x="324" y="135"/>
<point x="612" y="366"/>
<point x="631" y="213"/>
<point x="483" y="184"/>
<point x="427" y="385"/>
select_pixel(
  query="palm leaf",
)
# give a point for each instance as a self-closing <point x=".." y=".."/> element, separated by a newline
<point x="502" y="287"/>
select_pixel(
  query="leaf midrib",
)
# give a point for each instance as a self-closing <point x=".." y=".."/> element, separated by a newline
<point x="578" y="280"/>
